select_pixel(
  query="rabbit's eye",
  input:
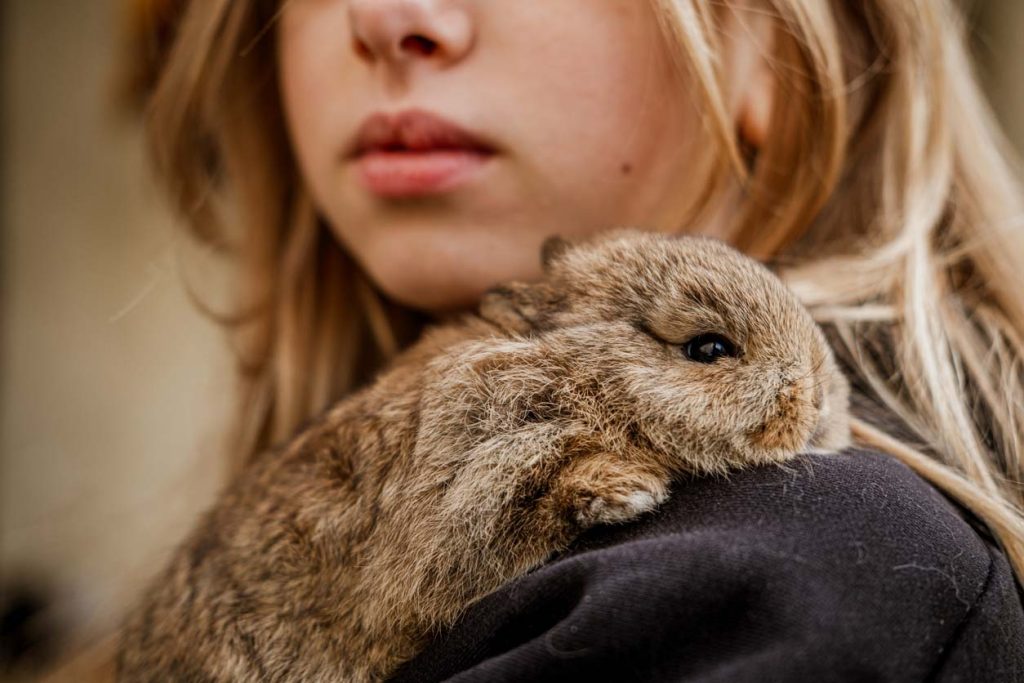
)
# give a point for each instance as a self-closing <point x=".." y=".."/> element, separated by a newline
<point x="707" y="348"/>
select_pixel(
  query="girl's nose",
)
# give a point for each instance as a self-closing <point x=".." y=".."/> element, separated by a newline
<point x="399" y="31"/>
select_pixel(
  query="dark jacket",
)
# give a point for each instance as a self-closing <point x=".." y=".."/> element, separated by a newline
<point x="836" y="568"/>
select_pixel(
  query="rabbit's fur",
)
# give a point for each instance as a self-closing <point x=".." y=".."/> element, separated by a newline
<point x="487" y="446"/>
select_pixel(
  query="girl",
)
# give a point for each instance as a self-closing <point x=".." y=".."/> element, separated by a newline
<point x="370" y="165"/>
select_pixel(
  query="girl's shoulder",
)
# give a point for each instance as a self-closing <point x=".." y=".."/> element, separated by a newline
<point x="836" y="567"/>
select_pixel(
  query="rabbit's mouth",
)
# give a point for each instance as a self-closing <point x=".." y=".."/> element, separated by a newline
<point x="832" y="431"/>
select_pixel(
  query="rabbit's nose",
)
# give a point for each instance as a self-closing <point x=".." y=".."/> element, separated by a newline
<point x="790" y="418"/>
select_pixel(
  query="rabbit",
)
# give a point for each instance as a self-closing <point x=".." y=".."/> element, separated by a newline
<point x="485" y="448"/>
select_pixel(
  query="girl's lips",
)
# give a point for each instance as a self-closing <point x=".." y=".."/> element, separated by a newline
<point x="418" y="173"/>
<point x="415" y="153"/>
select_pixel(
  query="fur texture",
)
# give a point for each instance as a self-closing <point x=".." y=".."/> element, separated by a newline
<point x="486" y="447"/>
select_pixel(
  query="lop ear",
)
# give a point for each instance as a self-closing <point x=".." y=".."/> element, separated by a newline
<point x="552" y="248"/>
<point x="520" y="307"/>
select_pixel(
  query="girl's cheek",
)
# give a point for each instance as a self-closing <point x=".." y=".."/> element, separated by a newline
<point x="315" y="80"/>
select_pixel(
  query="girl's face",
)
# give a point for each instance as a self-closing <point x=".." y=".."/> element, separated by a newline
<point x="443" y="140"/>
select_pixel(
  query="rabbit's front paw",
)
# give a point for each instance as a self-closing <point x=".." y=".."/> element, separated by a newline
<point x="620" y="507"/>
<point x="604" y="489"/>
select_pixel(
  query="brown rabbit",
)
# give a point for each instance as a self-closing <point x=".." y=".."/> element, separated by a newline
<point x="486" y="447"/>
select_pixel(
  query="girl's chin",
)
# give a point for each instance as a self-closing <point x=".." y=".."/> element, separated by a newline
<point x="439" y="300"/>
<point x="441" y="276"/>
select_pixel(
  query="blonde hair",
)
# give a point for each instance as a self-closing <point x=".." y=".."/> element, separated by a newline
<point x="883" y="192"/>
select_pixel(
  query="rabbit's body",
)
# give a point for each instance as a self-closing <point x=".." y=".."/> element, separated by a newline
<point x="485" y="448"/>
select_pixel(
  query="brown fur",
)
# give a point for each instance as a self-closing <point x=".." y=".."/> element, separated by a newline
<point x="487" y="446"/>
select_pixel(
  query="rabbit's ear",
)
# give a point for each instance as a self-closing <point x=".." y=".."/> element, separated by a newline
<point x="520" y="307"/>
<point x="551" y="249"/>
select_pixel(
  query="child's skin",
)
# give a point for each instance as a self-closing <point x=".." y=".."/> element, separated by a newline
<point x="587" y="124"/>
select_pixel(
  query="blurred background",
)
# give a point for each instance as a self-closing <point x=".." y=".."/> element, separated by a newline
<point x="114" y="391"/>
